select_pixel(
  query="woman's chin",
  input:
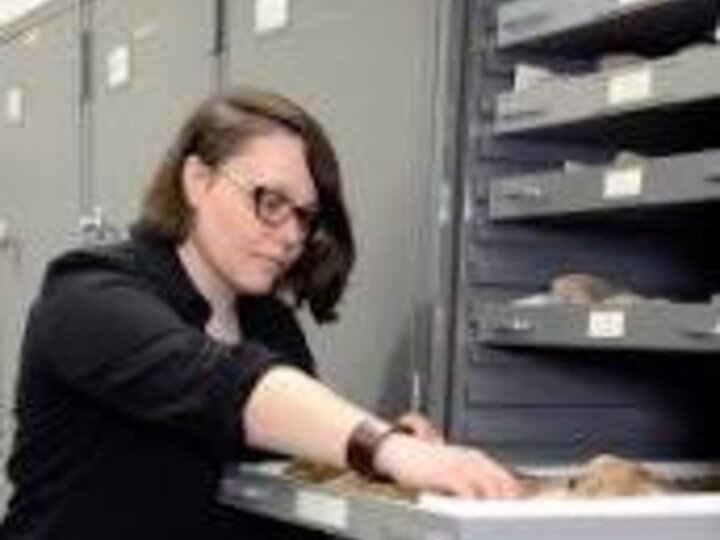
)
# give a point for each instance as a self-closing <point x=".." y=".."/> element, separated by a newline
<point x="256" y="285"/>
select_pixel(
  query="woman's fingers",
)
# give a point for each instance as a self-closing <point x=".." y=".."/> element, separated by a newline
<point x="444" y="468"/>
<point x="497" y="481"/>
<point x="487" y="477"/>
<point x="478" y="474"/>
<point x="481" y="477"/>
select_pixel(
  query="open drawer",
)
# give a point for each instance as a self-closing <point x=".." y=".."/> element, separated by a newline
<point x="262" y="489"/>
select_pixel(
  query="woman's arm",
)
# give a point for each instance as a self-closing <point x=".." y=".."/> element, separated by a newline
<point x="292" y="413"/>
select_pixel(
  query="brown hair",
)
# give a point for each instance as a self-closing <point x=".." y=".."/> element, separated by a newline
<point x="217" y="130"/>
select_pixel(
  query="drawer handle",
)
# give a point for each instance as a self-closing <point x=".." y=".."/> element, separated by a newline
<point x="513" y="326"/>
<point x="521" y="115"/>
<point x="256" y="493"/>
<point x="533" y="193"/>
<point x="702" y="333"/>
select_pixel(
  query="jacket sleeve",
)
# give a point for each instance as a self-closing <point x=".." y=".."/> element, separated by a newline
<point x="105" y="336"/>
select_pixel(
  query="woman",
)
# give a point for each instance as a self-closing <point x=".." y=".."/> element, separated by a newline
<point x="147" y="365"/>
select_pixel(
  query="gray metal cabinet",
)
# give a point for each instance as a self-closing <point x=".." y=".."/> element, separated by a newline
<point x="534" y="212"/>
<point x="152" y="62"/>
<point x="368" y="70"/>
<point x="679" y="80"/>
<point x="39" y="138"/>
<point x="655" y="326"/>
<point x="39" y="135"/>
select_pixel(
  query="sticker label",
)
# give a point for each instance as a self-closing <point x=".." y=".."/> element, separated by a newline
<point x="606" y="324"/>
<point x="625" y="3"/>
<point x="322" y="509"/>
<point x="623" y="183"/>
<point x="271" y="15"/>
<point x="630" y="86"/>
<point x="4" y="234"/>
<point x="118" y="66"/>
<point x="15" y="105"/>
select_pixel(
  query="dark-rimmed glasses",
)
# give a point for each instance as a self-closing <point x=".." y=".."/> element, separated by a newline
<point x="272" y="207"/>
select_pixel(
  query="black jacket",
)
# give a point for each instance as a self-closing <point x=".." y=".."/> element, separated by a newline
<point x="126" y="410"/>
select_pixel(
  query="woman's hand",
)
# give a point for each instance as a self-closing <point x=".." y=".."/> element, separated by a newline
<point x="419" y="426"/>
<point x="455" y="470"/>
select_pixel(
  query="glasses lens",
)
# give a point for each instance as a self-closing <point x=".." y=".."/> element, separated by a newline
<point x="274" y="208"/>
<point x="271" y="206"/>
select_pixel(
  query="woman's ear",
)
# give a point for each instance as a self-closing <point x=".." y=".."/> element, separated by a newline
<point x="196" y="180"/>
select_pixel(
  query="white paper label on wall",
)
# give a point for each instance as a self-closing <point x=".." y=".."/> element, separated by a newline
<point x="322" y="508"/>
<point x="630" y="86"/>
<point x="15" y="105"/>
<point x="118" y="66"/>
<point x="623" y="183"/>
<point x="606" y="324"/>
<point x="624" y="3"/>
<point x="271" y="15"/>
<point x="4" y="234"/>
<point x="444" y="205"/>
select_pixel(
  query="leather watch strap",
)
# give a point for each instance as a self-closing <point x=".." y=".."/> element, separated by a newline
<point x="363" y="444"/>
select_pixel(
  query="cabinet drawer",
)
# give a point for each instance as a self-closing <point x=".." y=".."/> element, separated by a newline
<point x="678" y="180"/>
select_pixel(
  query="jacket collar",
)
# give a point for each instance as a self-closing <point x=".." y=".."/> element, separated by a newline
<point x="159" y="261"/>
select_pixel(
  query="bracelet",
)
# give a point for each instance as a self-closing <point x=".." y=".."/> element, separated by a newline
<point x="363" y="444"/>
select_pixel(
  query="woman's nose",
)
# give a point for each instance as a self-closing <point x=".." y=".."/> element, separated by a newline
<point x="292" y="232"/>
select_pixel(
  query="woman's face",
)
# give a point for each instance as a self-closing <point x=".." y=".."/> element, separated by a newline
<point x="253" y="212"/>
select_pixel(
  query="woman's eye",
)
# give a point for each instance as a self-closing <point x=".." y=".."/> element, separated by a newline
<point x="273" y="202"/>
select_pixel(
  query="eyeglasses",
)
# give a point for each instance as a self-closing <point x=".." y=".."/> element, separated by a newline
<point x="272" y="207"/>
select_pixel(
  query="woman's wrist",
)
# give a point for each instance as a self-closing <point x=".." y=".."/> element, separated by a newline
<point x="364" y="445"/>
<point x="394" y="453"/>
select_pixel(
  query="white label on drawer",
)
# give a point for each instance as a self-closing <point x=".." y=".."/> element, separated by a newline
<point x="322" y="509"/>
<point x="630" y="86"/>
<point x="606" y="324"/>
<point x="623" y="183"/>
<point x="15" y="105"/>
<point x="118" y="66"/>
